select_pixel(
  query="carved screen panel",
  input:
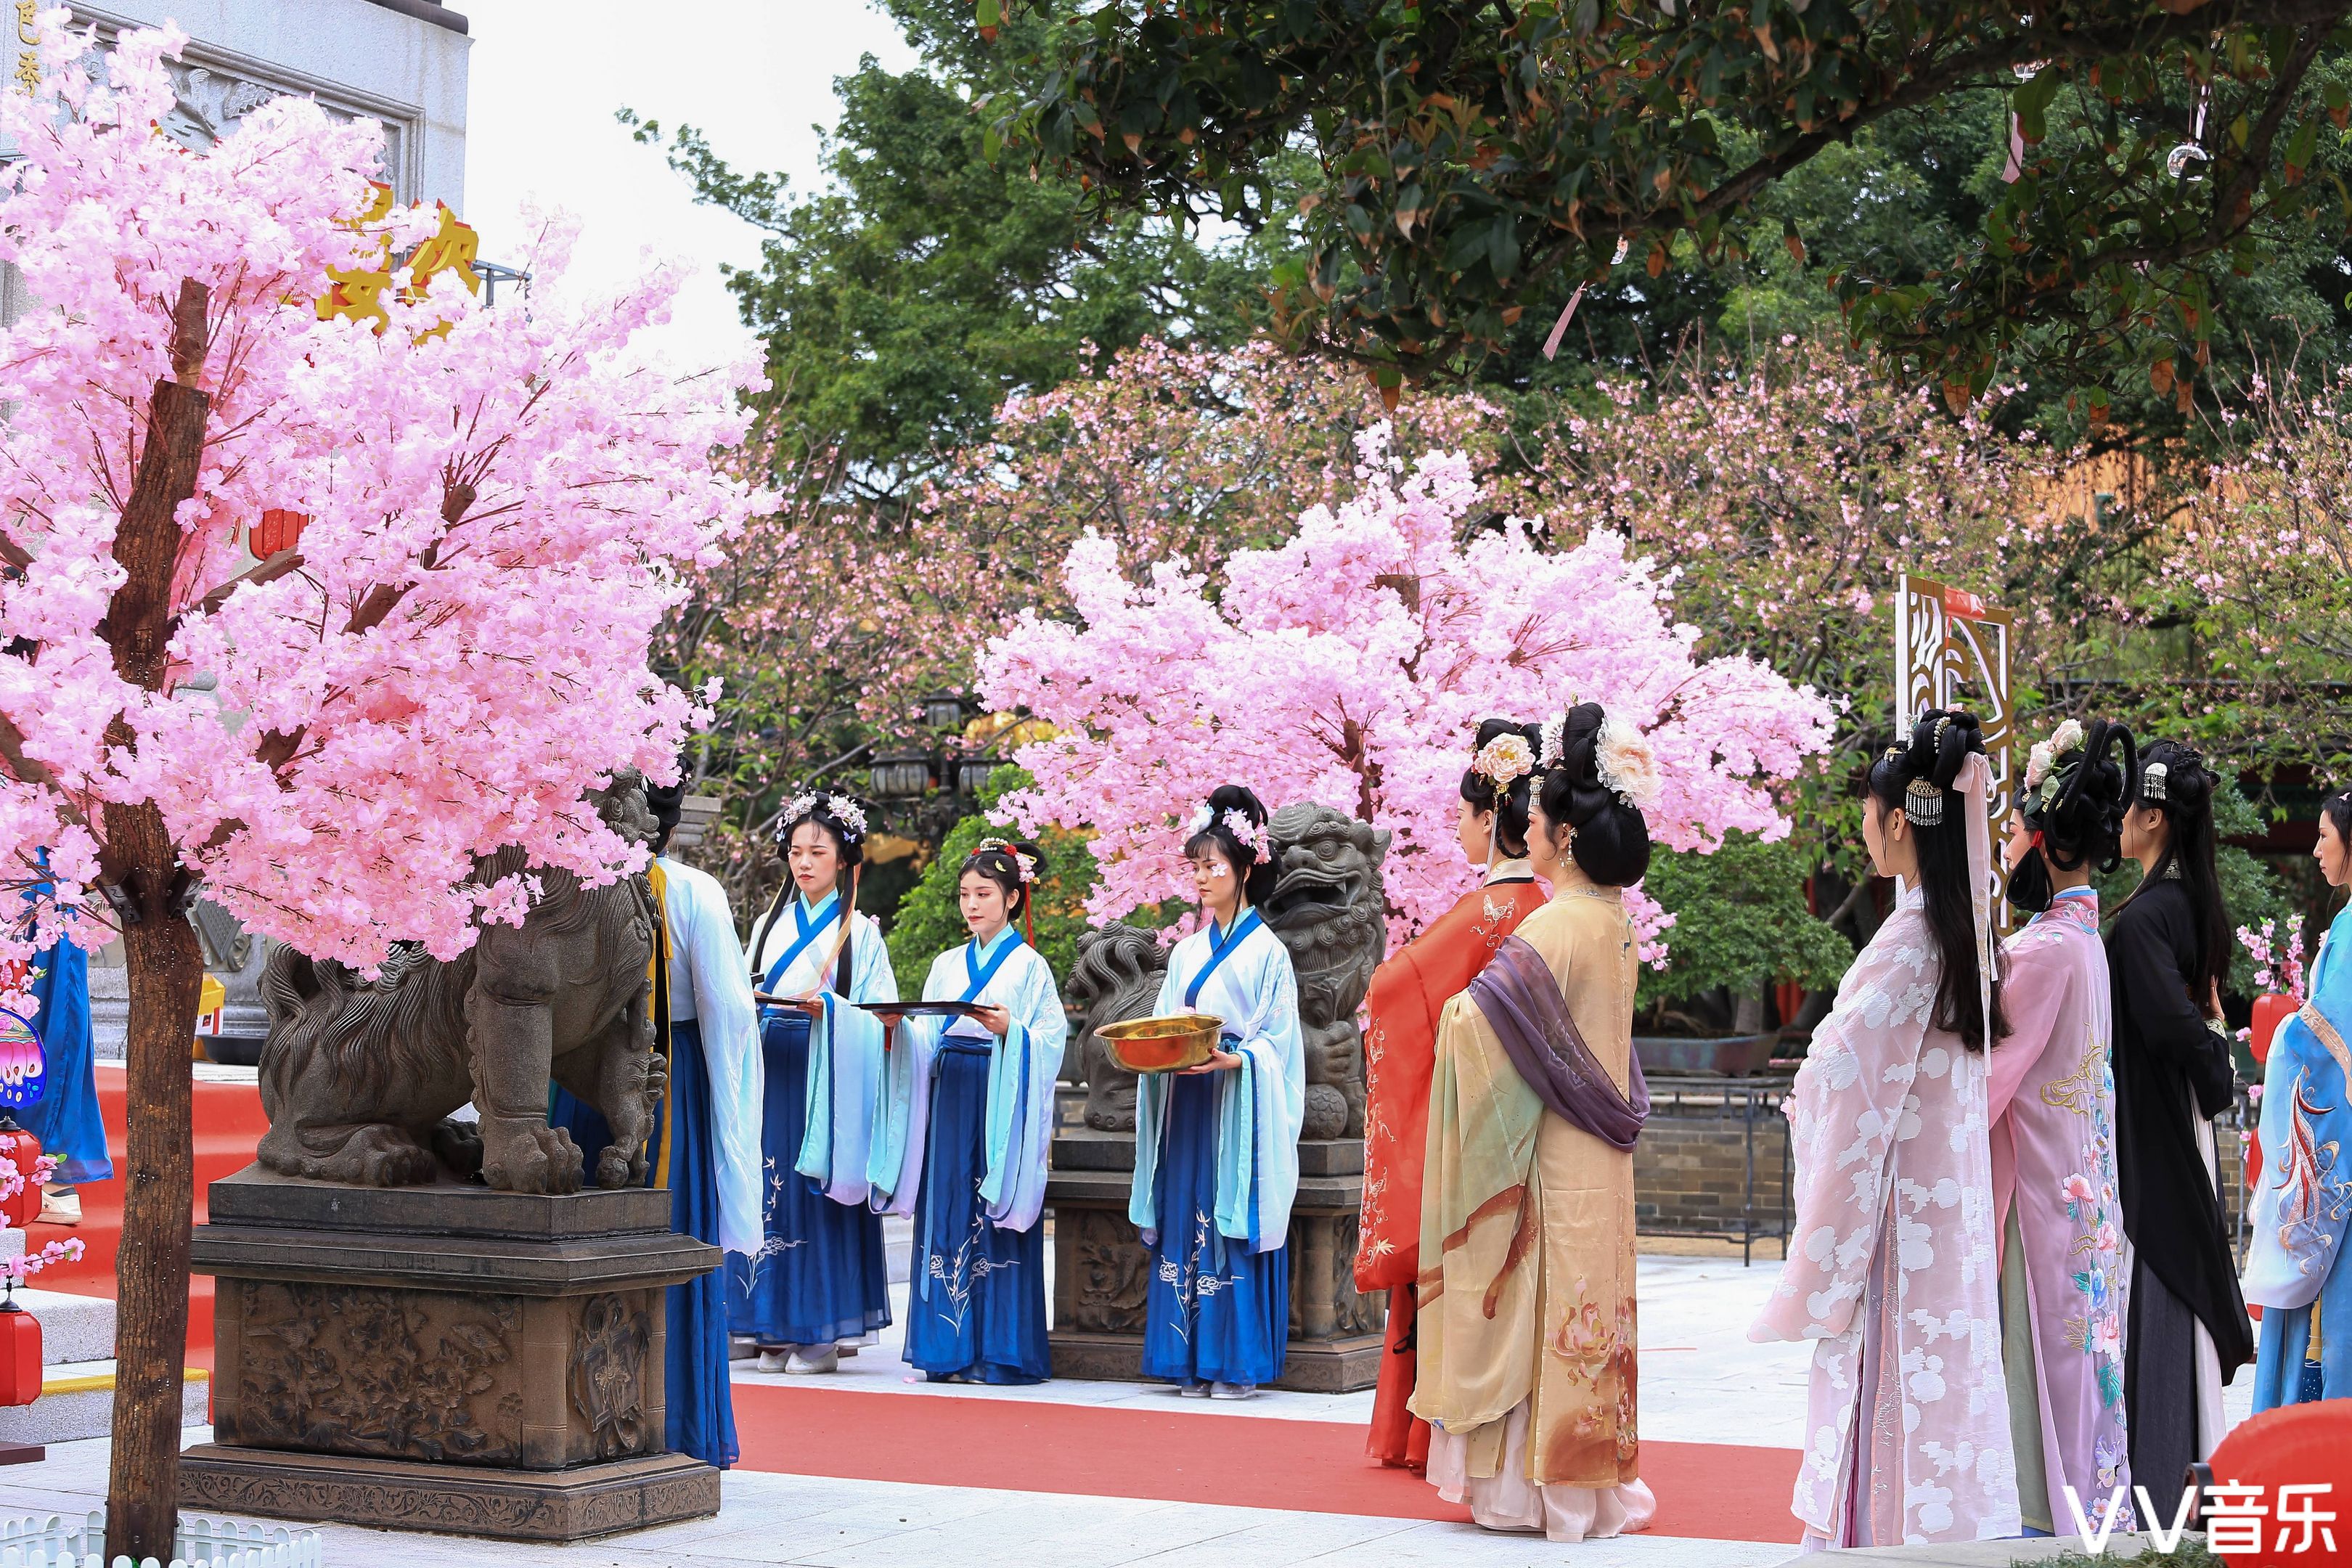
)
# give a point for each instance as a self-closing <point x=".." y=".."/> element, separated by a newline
<point x="1952" y="650"/>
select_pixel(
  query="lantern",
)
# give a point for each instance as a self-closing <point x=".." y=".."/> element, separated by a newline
<point x="899" y="775"/>
<point x="943" y="711"/>
<point x="21" y="1149"/>
<point x="278" y="530"/>
<point x="23" y="1066"/>
<point x="20" y="1354"/>
<point x="971" y="774"/>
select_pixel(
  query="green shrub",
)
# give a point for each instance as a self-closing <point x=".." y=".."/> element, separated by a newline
<point x="1740" y="923"/>
<point x="928" y="922"/>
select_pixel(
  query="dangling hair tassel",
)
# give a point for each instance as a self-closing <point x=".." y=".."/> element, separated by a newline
<point x="1923" y="803"/>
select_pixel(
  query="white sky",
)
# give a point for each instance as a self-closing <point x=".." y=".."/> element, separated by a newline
<point x="755" y="76"/>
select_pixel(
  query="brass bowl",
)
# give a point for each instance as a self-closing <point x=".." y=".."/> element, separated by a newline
<point x="1162" y="1045"/>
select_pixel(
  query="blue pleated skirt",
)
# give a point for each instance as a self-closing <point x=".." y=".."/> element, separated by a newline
<point x="1214" y="1310"/>
<point x="821" y="1277"/>
<point x="701" y="1407"/>
<point x="976" y="1303"/>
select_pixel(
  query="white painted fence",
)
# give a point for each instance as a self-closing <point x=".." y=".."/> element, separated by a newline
<point x="52" y="1542"/>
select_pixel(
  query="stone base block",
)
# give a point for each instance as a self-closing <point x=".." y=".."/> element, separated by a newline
<point x="576" y="1504"/>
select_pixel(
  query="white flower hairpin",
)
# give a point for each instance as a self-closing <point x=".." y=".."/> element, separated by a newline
<point x="1627" y="764"/>
<point x="1504" y="761"/>
<point x="1550" y="755"/>
<point x="1252" y="834"/>
<point x="840" y="807"/>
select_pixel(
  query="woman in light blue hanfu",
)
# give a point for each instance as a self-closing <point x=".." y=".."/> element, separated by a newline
<point x="2295" y="1267"/>
<point x="965" y="1120"/>
<point x="819" y="1279"/>
<point x="1216" y="1147"/>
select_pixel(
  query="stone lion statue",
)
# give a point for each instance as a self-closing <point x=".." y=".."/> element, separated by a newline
<point x="1118" y="975"/>
<point x="1330" y="911"/>
<point x="359" y="1077"/>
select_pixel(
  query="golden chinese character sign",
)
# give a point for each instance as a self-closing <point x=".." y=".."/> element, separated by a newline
<point x="27" y="73"/>
<point x="357" y="293"/>
<point x="1952" y="650"/>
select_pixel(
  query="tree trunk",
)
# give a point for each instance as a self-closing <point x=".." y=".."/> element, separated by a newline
<point x="150" y="1271"/>
<point x="166" y="976"/>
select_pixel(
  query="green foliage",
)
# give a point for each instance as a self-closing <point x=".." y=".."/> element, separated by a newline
<point x="1740" y="922"/>
<point x="2189" y="1553"/>
<point x="927" y="922"/>
<point x="902" y="304"/>
<point x="1480" y="159"/>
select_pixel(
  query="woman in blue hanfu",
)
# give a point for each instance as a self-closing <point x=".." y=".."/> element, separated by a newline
<point x="2295" y="1270"/>
<point x="819" y="1281"/>
<point x="965" y="1119"/>
<point x="1216" y="1147"/>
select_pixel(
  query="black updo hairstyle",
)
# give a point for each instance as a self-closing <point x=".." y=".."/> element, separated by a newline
<point x="2081" y="820"/>
<point x="1509" y="806"/>
<point x="1257" y="878"/>
<point x="999" y="861"/>
<point x="1941" y="744"/>
<point x="1613" y="838"/>
<point x="825" y="808"/>
<point x="668" y="804"/>
<point x="2174" y="779"/>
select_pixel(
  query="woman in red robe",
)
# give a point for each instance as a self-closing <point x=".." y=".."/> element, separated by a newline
<point x="1399" y="1054"/>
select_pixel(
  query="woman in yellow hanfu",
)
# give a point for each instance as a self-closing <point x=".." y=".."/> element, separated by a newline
<point x="1526" y="1324"/>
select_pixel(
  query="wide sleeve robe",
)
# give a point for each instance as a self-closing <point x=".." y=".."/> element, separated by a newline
<point x="1022" y="1071"/>
<point x="2053" y="1104"/>
<point x="2295" y="1267"/>
<point x="706" y="965"/>
<point x="1891" y="1268"/>
<point x="844" y="1054"/>
<point x="1261" y="1105"/>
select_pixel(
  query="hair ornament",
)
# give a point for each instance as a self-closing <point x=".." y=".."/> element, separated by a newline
<point x="1200" y="820"/>
<point x="1552" y="750"/>
<point x="1251" y="834"/>
<point x="1923" y="803"/>
<point x="844" y="811"/>
<point x="1627" y="764"/>
<point x="1025" y="865"/>
<point x="2046" y="754"/>
<point x="1504" y="761"/>
<point x="2153" y="780"/>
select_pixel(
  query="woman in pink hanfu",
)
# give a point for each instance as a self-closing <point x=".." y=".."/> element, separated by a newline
<point x="1891" y="1270"/>
<point x="2054" y="1141"/>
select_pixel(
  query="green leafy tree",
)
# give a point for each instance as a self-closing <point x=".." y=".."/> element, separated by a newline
<point x="904" y="303"/>
<point x="1469" y="153"/>
<point x="1740" y="925"/>
<point x="928" y="922"/>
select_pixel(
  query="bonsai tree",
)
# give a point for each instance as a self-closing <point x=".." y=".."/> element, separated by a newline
<point x="488" y="511"/>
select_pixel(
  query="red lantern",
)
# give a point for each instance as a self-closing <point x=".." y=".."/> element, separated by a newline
<point x="22" y="1148"/>
<point x="278" y="530"/>
<point x="20" y="1356"/>
<point x="2269" y="1012"/>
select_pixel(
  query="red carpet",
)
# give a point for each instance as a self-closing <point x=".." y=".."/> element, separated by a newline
<point x="1710" y="1492"/>
<point x="228" y="1126"/>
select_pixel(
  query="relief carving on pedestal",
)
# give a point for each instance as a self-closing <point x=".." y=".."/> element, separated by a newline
<point x="608" y="1376"/>
<point x="353" y="1369"/>
<point x="1104" y="1295"/>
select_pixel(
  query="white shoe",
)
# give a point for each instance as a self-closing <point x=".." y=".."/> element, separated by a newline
<point x="60" y="1205"/>
<point x="826" y="1360"/>
<point x="1233" y="1391"/>
<point x="773" y="1360"/>
<point x="1193" y="1391"/>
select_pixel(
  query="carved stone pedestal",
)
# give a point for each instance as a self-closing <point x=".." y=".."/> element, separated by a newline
<point x="1100" y="1266"/>
<point x="443" y="1358"/>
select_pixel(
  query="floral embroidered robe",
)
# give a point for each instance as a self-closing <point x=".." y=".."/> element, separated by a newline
<point x="1549" y="1327"/>
<point x="2295" y="1267"/>
<point x="1408" y="993"/>
<point x="1891" y="1272"/>
<point x="2053" y="1101"/>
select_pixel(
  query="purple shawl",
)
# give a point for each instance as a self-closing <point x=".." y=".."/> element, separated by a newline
<point x="1522" y="1002"/>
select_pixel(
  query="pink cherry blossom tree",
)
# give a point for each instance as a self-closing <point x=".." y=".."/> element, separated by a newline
<point x="1349" y="666"/>
<point x="452" y="651"/>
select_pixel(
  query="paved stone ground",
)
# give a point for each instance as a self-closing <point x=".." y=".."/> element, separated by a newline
<point x="1701" y="1382"/>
